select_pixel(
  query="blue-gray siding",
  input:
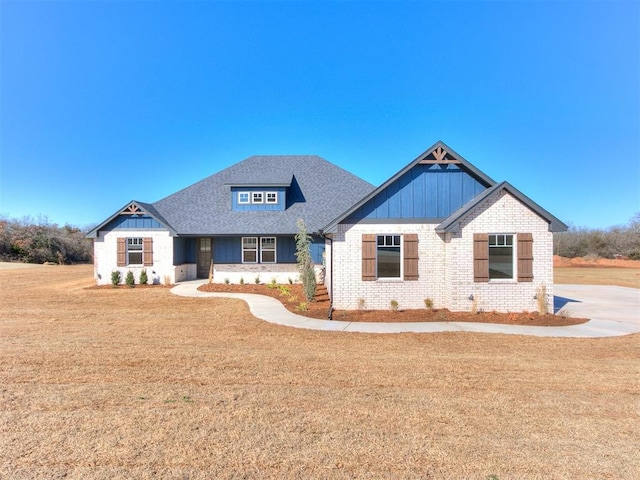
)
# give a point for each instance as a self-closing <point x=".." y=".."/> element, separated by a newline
<point x="425" y="191"/>
<point x="258" y="206"/>
<point x="133" y="222"/>
<point x="184" y="250"/>
<point x="229" y="249"/>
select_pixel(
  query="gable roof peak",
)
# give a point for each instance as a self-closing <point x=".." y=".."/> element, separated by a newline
<point x="438" y="153"/>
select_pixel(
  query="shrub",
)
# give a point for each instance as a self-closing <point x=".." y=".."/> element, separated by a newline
<point x="226" y="281"/>
<point x="143" y="277"/>
<point x="305" y="263"/>
<point x="116" y="278"/>
<point x="394" y="305"/>
<point x="428" y="303"/>
<point x="361" y="304"/>
<point x="302" y="307"/>
<point x="129" y="280"/>
<point x="241" y="281"/>
<point x="257" y="280"/>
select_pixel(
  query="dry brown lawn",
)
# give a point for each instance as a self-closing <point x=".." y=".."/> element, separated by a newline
<point x="623" y="277"/>
<point x="138" y="383"/>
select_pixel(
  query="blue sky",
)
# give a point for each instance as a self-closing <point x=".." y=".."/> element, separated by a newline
<point x="105" y="102"/>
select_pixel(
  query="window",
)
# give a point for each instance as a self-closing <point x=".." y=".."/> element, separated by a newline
<point x="249" y="250"/>
<point x="134" y="251"/>
<point x="500" y="256"/>
<point x="272" y="197"/>
<point x="388" y="256"/>
<point x="243" y="197"/>
<point x="268" y="250"/>
<point x="256" y="197"/>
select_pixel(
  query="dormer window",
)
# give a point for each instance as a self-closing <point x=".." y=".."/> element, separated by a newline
<point x="260" y="198"/>
<point x="272" y="197"/>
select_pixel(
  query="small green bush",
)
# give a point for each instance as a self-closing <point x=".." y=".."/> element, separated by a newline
<point x="116" y="278"/>
<point x="129" y="280"/>
<point x="284" y="290"/>
<point x="257" y="280"/>
<point x="394" y="305"/>
<point x="241" y="281"/>
<point x="302" y="307"/>
<point x="143" y="277"/>
<point x="428" y="303"/>
<point x="226" y="281"/>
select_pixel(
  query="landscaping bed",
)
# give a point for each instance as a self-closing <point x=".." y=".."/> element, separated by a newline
<point x="292" y="297"/>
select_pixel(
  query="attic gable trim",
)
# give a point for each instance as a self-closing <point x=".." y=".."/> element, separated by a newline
<point x="437" y="149"/>
<point x="132" y="207"/>
<point x="452" y="223"/>
<point x="257" y="185"/>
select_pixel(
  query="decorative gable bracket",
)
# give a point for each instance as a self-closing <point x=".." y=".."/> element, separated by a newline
<point x="439" y="155"/>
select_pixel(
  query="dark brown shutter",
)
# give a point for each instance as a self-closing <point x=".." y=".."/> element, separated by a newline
<point x="122" y="252"/>
<point x="368" y="257"/>
<point x="147" y="251"/>
<point x="480" y="257"/>
<point x="410" y="256"/>
<point x="525" y="257"/>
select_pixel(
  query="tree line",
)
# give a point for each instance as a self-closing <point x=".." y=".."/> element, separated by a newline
<point x="39" y="241"/>
<point x="613" y="242"/>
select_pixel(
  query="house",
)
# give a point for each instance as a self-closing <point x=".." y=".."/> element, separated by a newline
<point x="240" y="221"/>
<point x="443" y="231"/>
<point x="438" y="230"/>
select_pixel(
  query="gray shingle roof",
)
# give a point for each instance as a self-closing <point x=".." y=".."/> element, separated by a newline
<point x="324" y="191"/>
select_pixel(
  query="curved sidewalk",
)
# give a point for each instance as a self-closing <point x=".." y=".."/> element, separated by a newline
<point x="613" y="311"/>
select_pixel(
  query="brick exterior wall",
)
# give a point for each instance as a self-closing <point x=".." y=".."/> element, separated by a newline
<point x="105" y="254"/>
<point x="105" y="249"/>
<point x="349" y="289"/>
<point x="501" y="213"/>
<point x="445" y="264"/>
<point x="283" y="272"/>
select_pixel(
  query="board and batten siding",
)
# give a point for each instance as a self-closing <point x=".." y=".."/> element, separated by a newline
<point x="425" y="191"/>
<point x="229" y="249"/>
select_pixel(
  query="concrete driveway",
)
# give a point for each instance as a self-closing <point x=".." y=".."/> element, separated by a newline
<point x="611" y="309"/>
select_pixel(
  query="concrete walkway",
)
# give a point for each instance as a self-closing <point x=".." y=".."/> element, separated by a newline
<point x="613" y="311"/>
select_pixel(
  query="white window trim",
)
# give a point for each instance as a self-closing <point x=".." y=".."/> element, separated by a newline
<point x="253" y="197"/>
<point x="514" y="258"/>
<point x="274" y="199"/>
<point x="247" y="201"/>
<point x="249" y="249"/>
<point x="137" y="242"/>
<point x="274" y="249"/>
<point x="391" y="279"/>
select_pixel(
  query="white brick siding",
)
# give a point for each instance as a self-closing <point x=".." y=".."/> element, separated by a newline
<point x="105" y="253"/>
<point x="348" y="288"/>
<point x="501" y="213"/>
<point x="445" y="264"/>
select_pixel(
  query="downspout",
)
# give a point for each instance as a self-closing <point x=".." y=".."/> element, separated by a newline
<point x="330" y="312"/>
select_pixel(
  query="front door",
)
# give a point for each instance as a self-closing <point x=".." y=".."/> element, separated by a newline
<point x="204" y="257"/>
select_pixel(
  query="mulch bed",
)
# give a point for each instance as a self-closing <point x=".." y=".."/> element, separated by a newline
<point x="292" y="297"/>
